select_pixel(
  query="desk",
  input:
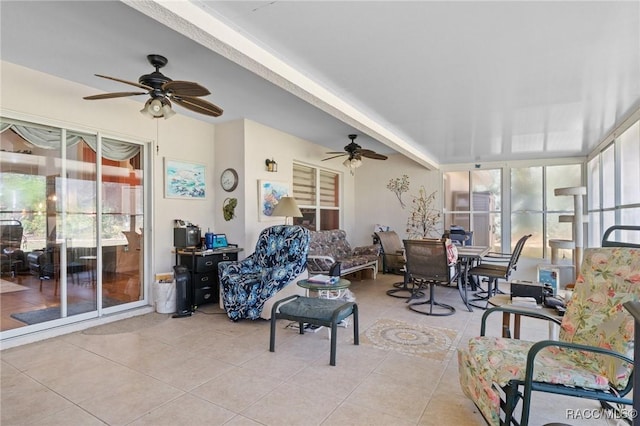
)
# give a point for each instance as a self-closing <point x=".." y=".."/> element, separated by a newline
<point x="204" y="286"/>
<point x="505" y="299"/>
<point x="468" y="256"/>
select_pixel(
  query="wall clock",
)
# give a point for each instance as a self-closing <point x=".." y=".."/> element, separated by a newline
<point x="229" y="179"/>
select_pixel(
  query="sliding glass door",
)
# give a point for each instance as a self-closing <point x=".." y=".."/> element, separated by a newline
<point x="72" y="215"/>
<point x="122" y="223"/>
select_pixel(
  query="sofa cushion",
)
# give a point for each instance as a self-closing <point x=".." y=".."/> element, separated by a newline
<point x="330" y="246"/>
<point x="330" y="243"/>
<point x="354" y="261"/>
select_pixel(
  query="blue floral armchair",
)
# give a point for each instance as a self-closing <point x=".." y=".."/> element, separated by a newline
<point x="280" y="256"/>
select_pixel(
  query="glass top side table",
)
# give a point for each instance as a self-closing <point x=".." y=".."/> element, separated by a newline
<point x="326" y="291"/>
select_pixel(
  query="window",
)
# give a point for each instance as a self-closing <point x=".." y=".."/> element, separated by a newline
<point x="614" y="193"/>
<point x="317" y="192"/>
<point x="593" y="201"/>
<point x="473" y="202"/>
<point x="629" y="143"/>
<point x="536" y="210"/>
<point x="80" y="200"/>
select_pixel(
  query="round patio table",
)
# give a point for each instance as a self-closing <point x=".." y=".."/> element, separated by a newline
<point x="326" y="291"/>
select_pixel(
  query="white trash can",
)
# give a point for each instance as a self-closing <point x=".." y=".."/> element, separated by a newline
<point x="165" y="297"/>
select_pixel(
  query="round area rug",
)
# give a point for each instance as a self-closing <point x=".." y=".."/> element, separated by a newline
<point x="410" y="339"/>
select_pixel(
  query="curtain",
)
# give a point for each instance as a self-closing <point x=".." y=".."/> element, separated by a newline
<point x="51" y="139"/>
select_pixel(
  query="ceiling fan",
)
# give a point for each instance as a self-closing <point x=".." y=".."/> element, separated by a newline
<point x="162" y="91"/>
<point x="355" y="153"/>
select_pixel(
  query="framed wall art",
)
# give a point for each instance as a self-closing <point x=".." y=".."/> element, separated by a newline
<point x="184" y="179"/>
<point x="269" y="193"/>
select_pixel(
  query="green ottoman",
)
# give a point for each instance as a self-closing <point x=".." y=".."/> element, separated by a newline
<point x="316" y="311"/>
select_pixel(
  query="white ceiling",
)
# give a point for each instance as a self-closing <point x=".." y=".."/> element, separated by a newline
<point x="445" y="82"/>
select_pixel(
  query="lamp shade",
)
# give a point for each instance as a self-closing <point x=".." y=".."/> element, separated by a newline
<point x="287" y="207"/>
<point x="353" y="163"/>
<point x="167" y="111"/>
<point x="156" y="108"/>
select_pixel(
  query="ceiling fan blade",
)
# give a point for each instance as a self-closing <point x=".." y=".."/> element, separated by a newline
<point x="113" y="95"/>
<point x="185" y="88"/>
<point x="335" y="156"/>
<point x="335" y="152"/>
<point x="142" y="86"/>
<point x="197" y="105"/>
<point x="372" y="154"/>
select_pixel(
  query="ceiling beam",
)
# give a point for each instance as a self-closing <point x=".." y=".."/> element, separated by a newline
<point x="203" y="28"/>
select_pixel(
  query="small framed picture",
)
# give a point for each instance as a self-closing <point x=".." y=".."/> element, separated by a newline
<point x="269" y="193"/>
<point x="184" y="179"/>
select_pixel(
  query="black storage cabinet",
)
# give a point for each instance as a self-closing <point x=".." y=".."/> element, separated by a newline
<point x="204" y="274"/>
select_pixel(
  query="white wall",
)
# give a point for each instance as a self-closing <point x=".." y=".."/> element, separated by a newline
<point x="38" y="97"/>
<point x="229" y="153"/>
<point x="262" y="142"/>
<point x="188" y="140"/>
<point x="242" y="144"/>
<point x="366" y="201"/>
<point x="375" y="204"/>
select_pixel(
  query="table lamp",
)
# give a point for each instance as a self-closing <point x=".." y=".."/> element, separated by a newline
<point x="286" y="207"/>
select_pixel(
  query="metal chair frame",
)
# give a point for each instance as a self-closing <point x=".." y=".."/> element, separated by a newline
<point x="495" y="271"/>
<point x="428" y="265"/>
<point x="393" y="259"/>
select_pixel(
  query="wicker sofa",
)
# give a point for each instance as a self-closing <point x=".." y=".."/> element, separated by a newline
<point x="328" y="247"/>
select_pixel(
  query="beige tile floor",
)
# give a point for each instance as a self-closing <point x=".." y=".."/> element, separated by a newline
<point x="206" y="370"/>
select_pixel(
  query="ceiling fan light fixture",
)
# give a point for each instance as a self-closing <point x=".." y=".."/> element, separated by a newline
<point x="160" y="88"/>
<point x="152" y="108"/>
<point x="352" y="163"/>
<point x="355" y="155"/>
<point x="145" y="109"/>
<point x="156" y="108"/>
<point x="167" y="111"/>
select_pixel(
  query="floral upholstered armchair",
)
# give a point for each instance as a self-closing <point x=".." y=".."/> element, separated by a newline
<point x="280" y="256"/>
<point x="592" y="359"/>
